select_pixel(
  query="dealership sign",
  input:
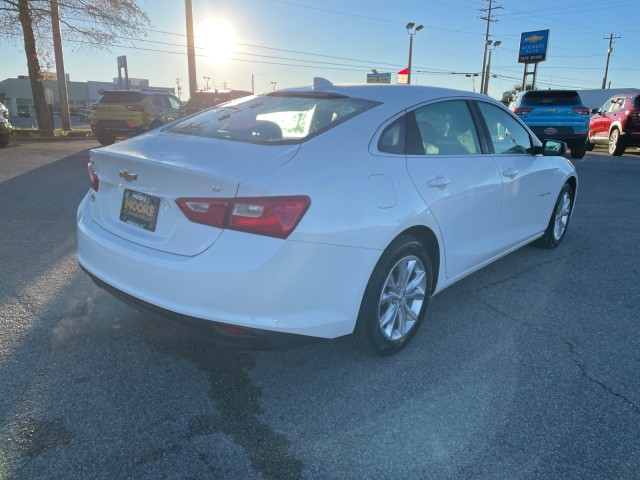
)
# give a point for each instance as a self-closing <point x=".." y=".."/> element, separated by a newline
<point x="533" y="46"/>
<point x="378" y="78"/>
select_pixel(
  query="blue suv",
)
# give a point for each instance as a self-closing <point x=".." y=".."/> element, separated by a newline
<point x="556" y="115"/>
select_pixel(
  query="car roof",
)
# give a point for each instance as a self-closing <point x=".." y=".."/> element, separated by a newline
<point x="385" y="93"/>
<point x="143" y="91"/>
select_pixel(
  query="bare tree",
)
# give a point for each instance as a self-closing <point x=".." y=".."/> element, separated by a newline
<point x="93" y="25"/>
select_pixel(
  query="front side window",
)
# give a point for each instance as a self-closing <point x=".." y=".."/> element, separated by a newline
<point x="280" y="117"/>
<point x="507" y="135"/>
<point x="447" y="128"/>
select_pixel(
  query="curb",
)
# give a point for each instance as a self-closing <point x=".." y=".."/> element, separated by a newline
<point x="28" y="138"/>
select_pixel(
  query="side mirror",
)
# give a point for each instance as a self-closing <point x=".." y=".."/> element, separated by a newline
<point x="595" y="110"/>
<point x="553" y="148"/>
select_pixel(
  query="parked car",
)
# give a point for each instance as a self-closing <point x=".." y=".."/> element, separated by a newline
<point x="202" y="100"/>
<point x="5" y="131"/>
<point x="125" y="113"/>
<point x="616" y="123"/>
<point x="557" y="115"/>
<point x="84" y="115"/>
<point x="319" y="212"/>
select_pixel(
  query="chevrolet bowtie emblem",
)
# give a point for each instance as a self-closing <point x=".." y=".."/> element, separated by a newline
<point x="128" y="176"/>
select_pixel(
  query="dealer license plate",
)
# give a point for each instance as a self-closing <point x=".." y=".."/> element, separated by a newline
<point x="140" y="209"/>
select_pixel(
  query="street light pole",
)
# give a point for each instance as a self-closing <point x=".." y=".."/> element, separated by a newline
<point x="411" y="31"/>
<point x="487" y="74"/>
<point x="191" y="49"/>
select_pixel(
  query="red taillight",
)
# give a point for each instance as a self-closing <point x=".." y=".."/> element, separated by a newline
<point x="521" y="110"/>
<point x="582" y="110"/>
<point x="93" y="177"/>
<point x="271" y="216"/>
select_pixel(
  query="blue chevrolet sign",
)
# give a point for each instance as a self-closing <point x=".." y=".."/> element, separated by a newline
<point x="533" y="46"/>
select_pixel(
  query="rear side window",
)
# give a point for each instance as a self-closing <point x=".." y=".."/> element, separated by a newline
<point x="558" y="98"/>
<point x="121" y="97"/>
<point x="447" y="128"/>
<point x="636" y="101"/>
<point x="274" y="118"/>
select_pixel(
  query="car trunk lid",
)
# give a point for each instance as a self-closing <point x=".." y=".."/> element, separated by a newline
<point x="140" y="179"/>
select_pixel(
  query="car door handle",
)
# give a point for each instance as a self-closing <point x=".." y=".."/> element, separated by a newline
<point x="510" y="172"/>
<point x="439" y="182"/>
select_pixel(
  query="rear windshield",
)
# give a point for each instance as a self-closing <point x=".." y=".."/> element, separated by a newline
<point x="121" y="97"/>
<point x="568" y="97"/>
<point x="274" y="118"/>
<point x="636" y="101"/>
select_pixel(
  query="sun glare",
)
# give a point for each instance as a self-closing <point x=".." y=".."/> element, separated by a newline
<point x="217" y="38"/>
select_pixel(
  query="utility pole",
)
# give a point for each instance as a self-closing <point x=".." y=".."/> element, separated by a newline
<point x="62" y="79"/>
<point x="606" y="69"/>
<point x="486" y="41"/>
<point x="191" y="49"/>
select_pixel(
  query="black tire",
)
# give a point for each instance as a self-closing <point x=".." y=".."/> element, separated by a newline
<point x="616" y="144"/>
<point x="155" y="124"/>
<point x="106" y="139"/>
<point x="559" y="221"/>
<point x="393" y="306"/>
<point x="590" y="146"/>
<point x="579" y="151"/>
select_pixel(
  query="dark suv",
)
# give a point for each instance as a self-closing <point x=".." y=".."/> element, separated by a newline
<point x="125" y="113"/>
<point x="616" y="123"/>
<point x="556" y="115"/>
<point x="201" y="100"/>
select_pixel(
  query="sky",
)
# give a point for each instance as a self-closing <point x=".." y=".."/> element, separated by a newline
<point x="271" y="44"/>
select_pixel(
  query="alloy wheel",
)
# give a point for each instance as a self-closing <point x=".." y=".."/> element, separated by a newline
<point x="402" y="297"/>
<point x="562" y="216"/>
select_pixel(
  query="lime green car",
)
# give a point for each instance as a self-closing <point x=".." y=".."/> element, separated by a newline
<point x="126" y="113"/>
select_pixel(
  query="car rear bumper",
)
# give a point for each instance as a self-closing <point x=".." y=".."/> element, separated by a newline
<point x="631" y="139"/>
<point x="208" y="331"/>
<point x="118" y="132"/>
<point x="257" y="283"/>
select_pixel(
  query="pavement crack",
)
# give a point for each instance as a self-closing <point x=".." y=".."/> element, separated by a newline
<point x="586" y="374"/>
<point x="573" y="356"/>
<point x="516" y="275"/>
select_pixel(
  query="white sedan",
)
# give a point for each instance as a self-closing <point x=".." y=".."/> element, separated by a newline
<point x="319" y="212"/>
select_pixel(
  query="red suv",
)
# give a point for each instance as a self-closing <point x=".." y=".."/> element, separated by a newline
<point x="616" y="123"/>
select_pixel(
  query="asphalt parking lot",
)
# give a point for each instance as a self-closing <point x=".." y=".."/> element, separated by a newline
<point x="528" y="369"/>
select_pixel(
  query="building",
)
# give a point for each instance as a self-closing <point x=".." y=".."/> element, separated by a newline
<point x="15" y="93"/>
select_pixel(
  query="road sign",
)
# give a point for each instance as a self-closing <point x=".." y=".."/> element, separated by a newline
<point x="403" y="77"/>
<point x="378" y="78"/>
<point x="533" y="46"/>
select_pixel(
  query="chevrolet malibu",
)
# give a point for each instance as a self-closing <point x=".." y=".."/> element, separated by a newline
<point x="319" y="212"/>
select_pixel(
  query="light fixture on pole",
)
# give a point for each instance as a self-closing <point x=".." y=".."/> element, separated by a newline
<point x="273" y="84"/>
<point x="472" y="76"/>
<point x="411" y="30"/>
<point x="206" y="79"/>
<point x="491" y="45"/>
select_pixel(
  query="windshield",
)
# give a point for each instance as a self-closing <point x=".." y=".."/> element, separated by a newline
<point x="273" y="118"/>
<point x="568" y="97"/>
<point x="121" y="97"/>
